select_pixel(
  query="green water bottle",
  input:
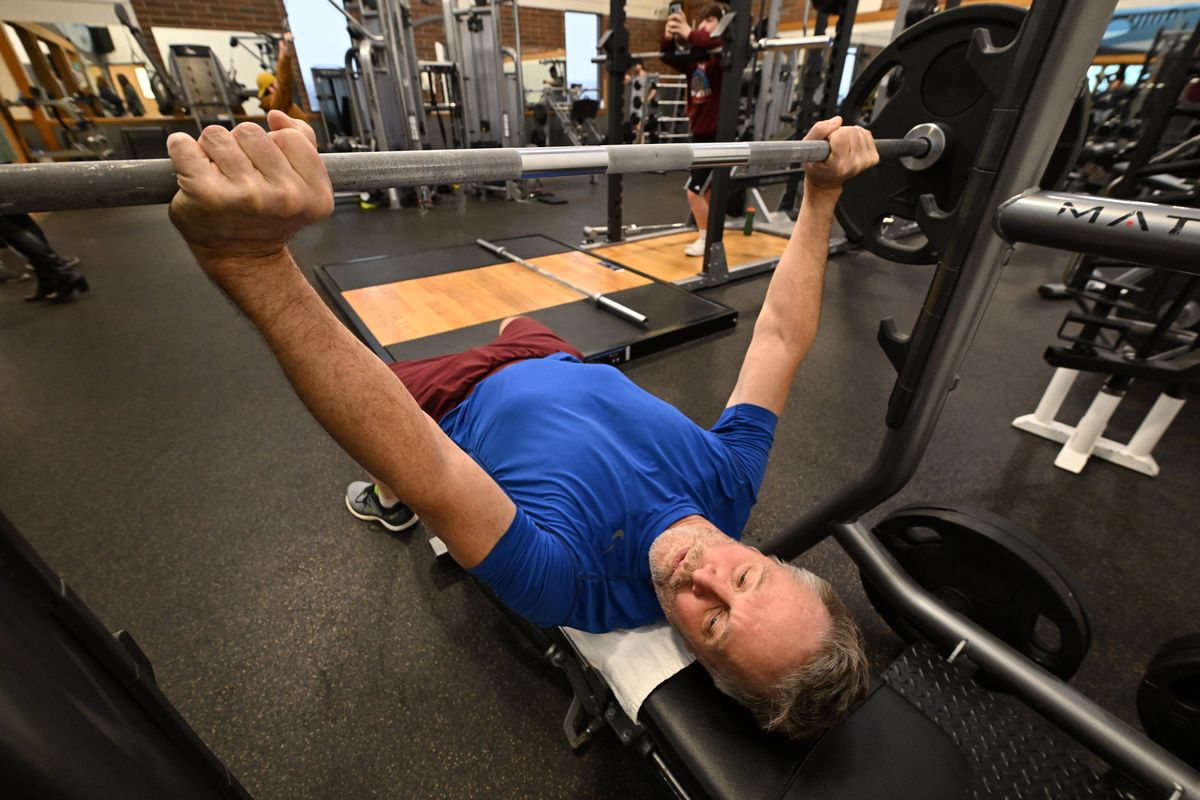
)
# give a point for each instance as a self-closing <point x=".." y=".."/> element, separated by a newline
<point x="748" y="227"/>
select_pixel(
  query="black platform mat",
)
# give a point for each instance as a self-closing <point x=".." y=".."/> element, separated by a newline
<point x="675" y="316"/>
<point x="1008" y="757"/>
<point x="374" y="270"/>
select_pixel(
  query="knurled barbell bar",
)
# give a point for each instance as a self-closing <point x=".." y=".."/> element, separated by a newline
<point x="109" y="184"/>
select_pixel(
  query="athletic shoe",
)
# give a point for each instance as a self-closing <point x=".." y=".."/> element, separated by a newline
<point x="363" y="503"/>
<point x="696" y="248"/>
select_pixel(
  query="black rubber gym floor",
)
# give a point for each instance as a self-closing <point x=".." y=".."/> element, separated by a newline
<point x="152" y="452"/>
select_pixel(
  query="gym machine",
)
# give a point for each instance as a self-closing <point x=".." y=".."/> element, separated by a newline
<point x="81" y="137"/>
<point x="818" y="96"/>
<point x="51" y="90"/>
<point x="443" y="82"/>
<point x="671" y="98"/>
<point x="493" y="98"/>
<point x="574" y="113"/>
<point x="207" y="92"/>
<point x="332" y="89"/>
<point x="927" y="728"/>
<point x="266" y="48"/>
<point x="777" y="71"/>
<point x="1033" y="83"/>
<point x="741" y="47"/>
<point x="387" y="107"/>
<point x="164" y="88"/>
<point x="792" y="93"/>
<point x="1133" y="323"/>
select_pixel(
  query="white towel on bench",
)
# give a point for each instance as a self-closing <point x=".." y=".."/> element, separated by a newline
<point x="633" y="662"/>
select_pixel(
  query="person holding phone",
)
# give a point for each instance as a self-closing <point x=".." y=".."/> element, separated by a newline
<point x="703" y="99"/>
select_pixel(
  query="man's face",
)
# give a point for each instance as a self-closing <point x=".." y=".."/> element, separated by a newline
<point x="737" y="610"/>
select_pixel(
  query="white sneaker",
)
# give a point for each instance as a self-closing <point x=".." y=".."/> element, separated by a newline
<point x="696" y="248"/>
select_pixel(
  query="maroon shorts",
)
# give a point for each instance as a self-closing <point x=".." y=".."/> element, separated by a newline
<point x="442" y="382"/>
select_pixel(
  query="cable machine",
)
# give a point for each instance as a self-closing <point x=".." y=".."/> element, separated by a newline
<point x="386" y="103"/>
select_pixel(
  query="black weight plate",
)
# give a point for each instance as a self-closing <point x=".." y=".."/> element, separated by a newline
<point x="993" y="572"/>
<point x="1168" y="700"/>
<point x="540" y="114"/>
<point x="936" y="85"/>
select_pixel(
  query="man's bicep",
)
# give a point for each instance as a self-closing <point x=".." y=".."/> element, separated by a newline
<point x="468" y="510"/>
<point x="766" y="375"/>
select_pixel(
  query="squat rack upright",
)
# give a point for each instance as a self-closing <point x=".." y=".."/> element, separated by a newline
<point x="735" y="55"/>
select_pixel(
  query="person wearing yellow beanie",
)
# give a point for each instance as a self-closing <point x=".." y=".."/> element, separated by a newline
<point x="266" y="80"/>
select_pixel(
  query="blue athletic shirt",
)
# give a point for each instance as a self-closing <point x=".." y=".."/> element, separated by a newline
<point x="598" y="468"/>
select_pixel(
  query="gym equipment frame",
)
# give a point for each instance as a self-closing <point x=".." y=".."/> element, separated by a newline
<point x="1040" y="76"/>
<point x="1034" y="78"/>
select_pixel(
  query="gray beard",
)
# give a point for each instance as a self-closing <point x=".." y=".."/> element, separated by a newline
<point x="700" y="536"/>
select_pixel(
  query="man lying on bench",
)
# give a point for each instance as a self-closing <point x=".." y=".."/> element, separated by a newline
<point x="579" y="498"/>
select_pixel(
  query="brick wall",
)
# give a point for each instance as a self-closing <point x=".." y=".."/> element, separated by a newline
<point x="425" y="36"/>
<point x="541" y="32"/>
<point x="244" y="15"/>
<point x="645" y="35"/>
<point x="541" y="29"/>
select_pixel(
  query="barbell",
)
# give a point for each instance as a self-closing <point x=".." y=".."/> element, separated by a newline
<point x="109" y="184"/>
<point x="758" y="45"/>
<point x="1146" y="233"/>
<point x="942" y="110"/>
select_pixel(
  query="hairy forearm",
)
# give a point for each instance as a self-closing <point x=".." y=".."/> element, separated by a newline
<point x="792" y="307"/>
<point x="347" y="388"/>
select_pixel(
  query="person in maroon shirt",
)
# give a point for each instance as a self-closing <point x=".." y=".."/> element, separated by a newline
<point x="703" y="101"/>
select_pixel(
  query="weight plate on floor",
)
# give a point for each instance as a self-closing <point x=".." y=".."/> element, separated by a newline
<point x="929" y="60"/>
<point x="1168" y="700"/>
<point x="994" y="573"/>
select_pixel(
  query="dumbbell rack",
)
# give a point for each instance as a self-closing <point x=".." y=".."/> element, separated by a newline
<point x="669" y="108"/>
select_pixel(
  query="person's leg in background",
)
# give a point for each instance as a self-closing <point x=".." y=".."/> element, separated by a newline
<point x="30" y="224"/>
<point x="57" y="277"/>
<point x="438" y="385"/>
<point x="8" y="272"/>
<point x="697" y="197"/>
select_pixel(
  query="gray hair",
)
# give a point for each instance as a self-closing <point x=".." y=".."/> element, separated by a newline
<point x="813" y="697"/>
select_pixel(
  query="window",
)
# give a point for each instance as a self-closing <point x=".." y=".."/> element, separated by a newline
<point x="582" y="32"/>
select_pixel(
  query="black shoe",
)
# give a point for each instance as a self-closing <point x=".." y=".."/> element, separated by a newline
<point x="68" y="286"/>
<point x="363" y="502"/>
<point x="59" y="282"/>
<point x="47" y="285"/>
